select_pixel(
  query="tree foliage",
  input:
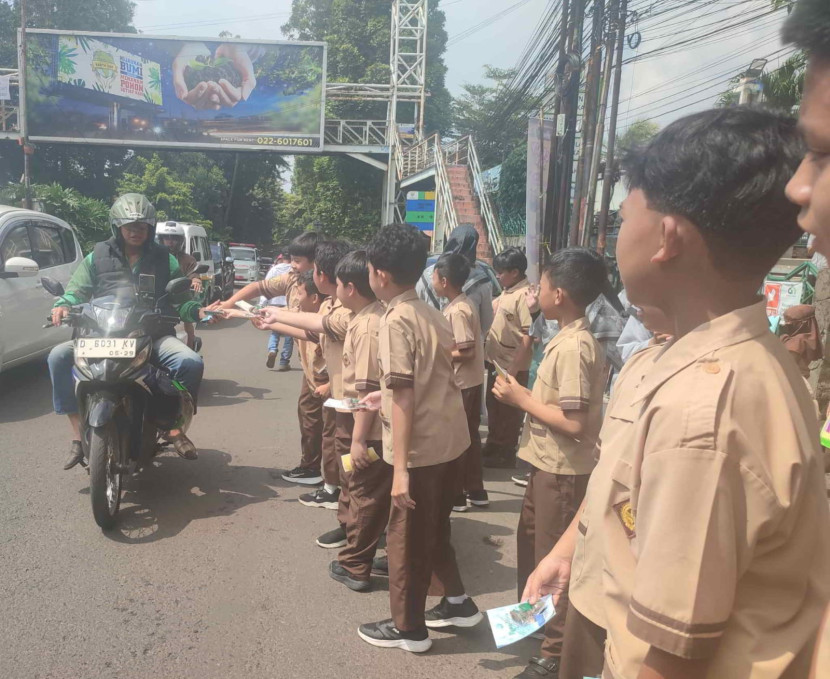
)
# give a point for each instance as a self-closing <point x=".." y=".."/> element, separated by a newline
<point x="782" y="87"/>
<point x="172" y="197"/>
<point x="637" y="134"/>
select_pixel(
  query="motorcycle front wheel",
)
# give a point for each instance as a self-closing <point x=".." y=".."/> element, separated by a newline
<point x="104" y="474"/>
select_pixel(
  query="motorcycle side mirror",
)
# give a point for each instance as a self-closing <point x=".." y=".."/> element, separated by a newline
<point x="53" y="287"/>
<point x="229" y="260"/>
<point x="202" y="268"/>
<point x="178" y="286"/>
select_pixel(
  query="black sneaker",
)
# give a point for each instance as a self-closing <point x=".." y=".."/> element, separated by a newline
<point x="303" y="476"/>
<point x="76" y="455"/>
<point x="321" y="498"/>
<point x="380" y="566"/>
<point x="384" y="634"/>
<point x="445" y="614"/>
<point x="340" y="574"/>
<point x="540" y="667"/>
<point x="333" y="539"/>
<point x="521" y="479"/>
<point x="460" y="503"/>
<point x="478" y="498"/>
<point x="271" y="360"/>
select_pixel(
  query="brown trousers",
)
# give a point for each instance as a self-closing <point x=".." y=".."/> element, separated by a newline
<point x="310" y="414"/>
<point x="344" y="424"/>
<point x="550" y="504"/>
<point x="367" y="515"/>
<point x="469" y="467"/>
<point x="583" y="648"/>
<point x="419" y="548"/>
<point x="331" y="463"/>
<point x="504" y="422"/>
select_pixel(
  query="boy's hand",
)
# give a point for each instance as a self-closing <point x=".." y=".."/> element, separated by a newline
<point x="360" y="455"/>
<point x="322" y="392"/>
<point x="532" y="298"/>
<point x="270" y="314"/>
<point x="259" y="324"/>
<point x="509" y="391"/>
<point x="400" y="490"/>
<point x="371" y="401"/>
<point x="550" y="577"/>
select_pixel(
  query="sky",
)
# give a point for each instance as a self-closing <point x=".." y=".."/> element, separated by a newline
<point x="689" y="79"/>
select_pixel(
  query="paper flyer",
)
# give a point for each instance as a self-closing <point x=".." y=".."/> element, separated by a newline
<point x="513" y="623"/>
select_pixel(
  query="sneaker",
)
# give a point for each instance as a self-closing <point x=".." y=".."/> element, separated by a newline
<point x="303" y="476"/>
<point x="445" y="614"/>
<point x="540" y="667"/>
<point x="333" y="539"/>
<point x="521" y="479"/>
<point x="460" y="503"/>
<point x="380" y="566"/>
<point x="284" y="367"/>
<point x="384" y="634"/>
<point x="340" y="574"/>
<point x="321" y="498"/>
<point x="478" y="498"/>
<point x="271" y="360"/>
<point x="76" y="455"/>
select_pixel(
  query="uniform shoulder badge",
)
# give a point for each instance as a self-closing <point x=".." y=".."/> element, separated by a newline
<point x="625" y="513"/>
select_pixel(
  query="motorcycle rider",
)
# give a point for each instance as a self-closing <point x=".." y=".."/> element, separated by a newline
<point x="113" y="268"/>
<point x="171" y="236"/>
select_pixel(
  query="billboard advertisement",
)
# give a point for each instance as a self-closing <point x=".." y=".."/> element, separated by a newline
<point x="139" y="90"/>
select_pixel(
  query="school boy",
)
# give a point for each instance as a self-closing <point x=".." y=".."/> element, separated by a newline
<point x="448" y="277"/>
<point x="424" y="434"/>
<point x="509" y="345"/>
<point x="314" y="386"/>
<point x="331" y="324"/>
<point x="714" y="520"/>
<point x="369" y="481"/>
<point x="564" y="414"/>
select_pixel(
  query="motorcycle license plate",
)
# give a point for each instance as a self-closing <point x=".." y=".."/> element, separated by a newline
<point x="105" y="347"/>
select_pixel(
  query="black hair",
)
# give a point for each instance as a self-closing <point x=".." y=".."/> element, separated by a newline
<point x="328" y="254"/>
<point x="354" y="269"/>
<point x="580" y="272"/>
<point x="454" y="267"/>
<point x="808" y="26"/>
<point x="510" y="259"/>
<point x="304" y="245"/>
<point x="400" y="250"/>
<point x="725" y="171"/>
<point x="307" y="281"/>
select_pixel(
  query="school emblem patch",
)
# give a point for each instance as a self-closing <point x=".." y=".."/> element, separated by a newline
<point x="508" y="316"/>
<point x="625" y="514"/>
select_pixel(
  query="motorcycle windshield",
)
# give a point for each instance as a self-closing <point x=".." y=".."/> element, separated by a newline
<point x="111" y="315"/>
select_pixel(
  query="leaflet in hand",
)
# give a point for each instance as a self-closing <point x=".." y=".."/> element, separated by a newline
<point x="347" y="459"/>
<point x="350" y="404"/>
<point x="249" y="309"/>
<point x="513" y="623"/>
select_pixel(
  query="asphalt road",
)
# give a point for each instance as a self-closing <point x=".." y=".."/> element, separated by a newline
<point x="213" y="570"/>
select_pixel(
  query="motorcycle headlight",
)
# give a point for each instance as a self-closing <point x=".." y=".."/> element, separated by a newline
<point x="111" y="318"/>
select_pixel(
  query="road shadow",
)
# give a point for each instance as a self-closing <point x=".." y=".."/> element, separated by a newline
<point x="213" y="327"/>
<point x="215" y="392"/>
<point x="479" y="640"/>
<point x="25" y="392"/>
<point x="162" y="500"/>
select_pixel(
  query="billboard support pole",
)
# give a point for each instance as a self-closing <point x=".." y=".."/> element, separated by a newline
<point x="27" y="155"/>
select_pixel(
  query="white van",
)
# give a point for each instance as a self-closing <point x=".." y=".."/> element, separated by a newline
<point x="245" y="263"/>
<point x="196" y="245"/>
<point x="31" y="244"/>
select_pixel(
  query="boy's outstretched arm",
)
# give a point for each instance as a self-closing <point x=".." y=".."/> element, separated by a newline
<point x="297" y="319"/>
<point x="281" y="328"/>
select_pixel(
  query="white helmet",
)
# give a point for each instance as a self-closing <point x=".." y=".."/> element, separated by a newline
<point x="169" y="229"/>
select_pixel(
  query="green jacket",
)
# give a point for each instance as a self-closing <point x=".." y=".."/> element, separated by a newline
<point x="81" y="288"/>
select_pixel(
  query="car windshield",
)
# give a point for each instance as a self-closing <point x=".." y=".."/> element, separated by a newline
<point x="243" y="253"/>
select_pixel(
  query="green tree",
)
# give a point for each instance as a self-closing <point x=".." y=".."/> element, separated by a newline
<point x="172" y="197"/>
<point x="636" y="134"/>
<point x="512" y="198"/>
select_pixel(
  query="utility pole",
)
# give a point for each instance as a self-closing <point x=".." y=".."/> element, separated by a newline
<point x="24" y="128"/>
<point x="608" y="175"/>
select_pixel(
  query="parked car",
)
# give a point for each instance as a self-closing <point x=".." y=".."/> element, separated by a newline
<point x="265" y="264"/>
<point x="197" y="246"/>
<point x="246" y="263"/>
<point x="223" y="266"/>
<point x="31" y="243"/>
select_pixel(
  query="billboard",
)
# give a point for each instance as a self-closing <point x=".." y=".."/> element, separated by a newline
<point x="139" y="90"/>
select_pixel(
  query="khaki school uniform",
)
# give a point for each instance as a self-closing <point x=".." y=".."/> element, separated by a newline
<point x="415" y="353"/>
<point x="285" y="285"/>
<point x="583" y="648"/>
<point x="511" y="324"/>
<point x="466" y="329"/>
<point x="309" y="406"/>
<point x="369" y="489"/>
<point x="571" y="376"/>
<point x="715" y="531"/>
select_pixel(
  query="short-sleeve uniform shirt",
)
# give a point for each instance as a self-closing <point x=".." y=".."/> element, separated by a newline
<point x="415" y="343"/>
<point x="285" y="285"/>
<point x="585" y="587"/>
<point x="312" y="360"/>
<point x="510" y="323"/>
<point x="361" y="371"/>
<point x="336" y="319"/>
<point x="466" y="331"/>
<point x="571" y="376"/>
<point x="715" y="530"/>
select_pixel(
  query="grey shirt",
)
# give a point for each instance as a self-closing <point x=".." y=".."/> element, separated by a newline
<point x="477" y="288"/>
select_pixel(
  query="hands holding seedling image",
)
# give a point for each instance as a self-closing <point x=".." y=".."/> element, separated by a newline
<point x="213" y="81"/>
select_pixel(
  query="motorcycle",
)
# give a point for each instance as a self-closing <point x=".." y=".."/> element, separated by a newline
<point x="126" y="404"/>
